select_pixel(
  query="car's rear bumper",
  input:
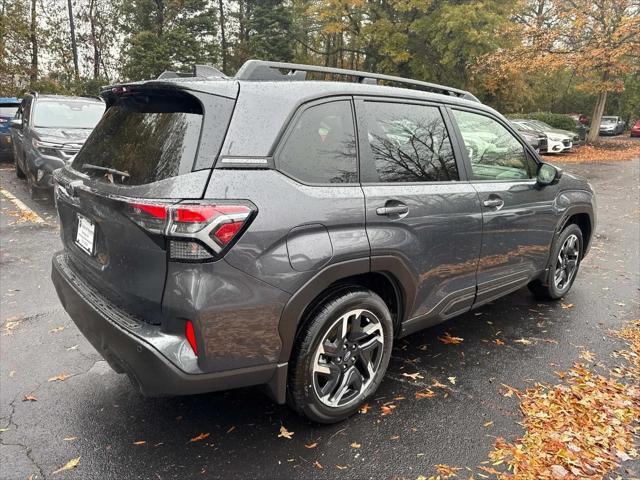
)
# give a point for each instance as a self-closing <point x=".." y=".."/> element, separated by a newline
<point x="138" y="349"/>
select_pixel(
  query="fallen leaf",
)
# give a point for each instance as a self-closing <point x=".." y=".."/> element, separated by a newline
<point x="140" y="442"/>
<point x="497" y="341"/>
<point x="447" y="339"/>
<point x="70" y="439"/>
<point x="523" y="341"/>
<point x="428" y="393"/>
<point x="387" y="409"/>
<point x="285" y="433"/>
<point x="311" y="445"/>
<point x="587" y="355"/>
<point x="566" y="306"/>
<point x="231" y="429"/>
<point x="74" y="347"/>
<point x="452" y="380"/>
<point x="365" y="408"/>
<point x="317" y="464"/>
<point x="341" y="467"/>
<point x="57" y="329"/>
<point x="202" y="436"/>
<point x="4" y="430"/>
<point x="447" y="471"/>
<point x="558" y="471"/>
<point x="70" y="465"/>
<point x="59" y="378"/>
<point x="487" y="424"/>
<point x="29" y="398"/>
<point x="413" y="376"/>
<point x="355" y="445"/>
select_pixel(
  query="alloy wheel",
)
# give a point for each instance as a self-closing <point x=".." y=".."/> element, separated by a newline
<point x="567" y="262"/>
<point x="347" y="359"/>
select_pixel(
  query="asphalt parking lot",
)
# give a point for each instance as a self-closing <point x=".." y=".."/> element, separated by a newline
<point x="95" y="414"/>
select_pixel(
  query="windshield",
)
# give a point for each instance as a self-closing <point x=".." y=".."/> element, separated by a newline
<point x="608" y="120"/>
<point x="67" y="114"/>
<point x="542" y="125"/>
<point x="8" y="110"/>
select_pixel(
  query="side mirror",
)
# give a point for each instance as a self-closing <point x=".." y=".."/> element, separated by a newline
<point x="548" y="174"/>
<point x="16" y="123"/>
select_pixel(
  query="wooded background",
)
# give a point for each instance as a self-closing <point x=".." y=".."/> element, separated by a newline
<point x="518" y="56"/>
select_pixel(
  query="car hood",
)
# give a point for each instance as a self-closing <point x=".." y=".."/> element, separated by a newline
<point x="63" y="135"/>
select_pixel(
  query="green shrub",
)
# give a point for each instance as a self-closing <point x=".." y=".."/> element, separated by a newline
<point x="556" y="120"/>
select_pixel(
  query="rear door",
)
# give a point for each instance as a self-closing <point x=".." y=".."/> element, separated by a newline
<point x="419" y="206"/>
<point x="114" y="199"/>
<point x="519" y="217"/>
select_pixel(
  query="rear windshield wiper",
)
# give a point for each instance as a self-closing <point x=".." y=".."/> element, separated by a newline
<point x="112" y="171"/>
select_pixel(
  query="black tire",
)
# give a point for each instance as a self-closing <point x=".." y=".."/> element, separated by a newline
<point x="19" y="173"/>
<point x="302" y="384"/>
<point x="547" y="287"/>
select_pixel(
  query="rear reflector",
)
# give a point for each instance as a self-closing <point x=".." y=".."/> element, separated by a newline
<point x="205" y="228"/>
<point x="190" y="333"/>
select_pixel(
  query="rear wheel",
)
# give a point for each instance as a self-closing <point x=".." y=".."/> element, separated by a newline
<point x="341" y="356"/>
<point x="566" y="255"/>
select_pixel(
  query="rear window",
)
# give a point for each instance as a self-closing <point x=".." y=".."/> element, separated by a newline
<point x="143" y="138"/>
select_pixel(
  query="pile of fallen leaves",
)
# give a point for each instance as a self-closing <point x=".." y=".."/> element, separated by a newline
<point x="605" y="151"/>
<point x="582" y="428"/>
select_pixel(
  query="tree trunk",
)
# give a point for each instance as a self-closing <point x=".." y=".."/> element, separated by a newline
<point x="74" y="45"/>
<point x="598" y="111"/>
<point x="94" y="39"/>
<point x="223" y="36"/>
<point x="33" y="74"/>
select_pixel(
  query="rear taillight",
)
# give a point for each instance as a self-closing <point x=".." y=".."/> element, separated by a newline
<point x="197" y="231"/>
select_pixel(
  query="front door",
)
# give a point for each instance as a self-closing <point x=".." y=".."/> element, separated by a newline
<point x="17" y="134"/>
<point x="519" y="217"/>
<point x="418" y="205"/>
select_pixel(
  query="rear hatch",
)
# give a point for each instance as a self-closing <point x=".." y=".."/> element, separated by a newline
<point x="116" y="199"/>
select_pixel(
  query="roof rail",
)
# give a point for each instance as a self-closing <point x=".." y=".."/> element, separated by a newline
<point x="257" y="70"/>
<point x="199" y="71"/>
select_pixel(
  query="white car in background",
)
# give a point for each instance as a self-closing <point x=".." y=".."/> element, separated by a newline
<point x="558" y="140"/>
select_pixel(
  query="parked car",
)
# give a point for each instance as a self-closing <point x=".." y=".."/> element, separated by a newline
<point x="558" y="141"/>
<point x="48" y="131"/>
<point x="312" y="225"/>
<point x="635" y="130"/>
<point x="537" y="140"/>
<point x="8" y="109"/>
<point x="612" y="125"/>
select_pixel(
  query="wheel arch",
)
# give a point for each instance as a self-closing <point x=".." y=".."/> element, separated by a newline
<point x="387" y="276"/>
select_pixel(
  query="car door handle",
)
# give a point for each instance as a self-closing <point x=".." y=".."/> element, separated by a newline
<point x="396" y="210"/>
<point x="494" y="203"/>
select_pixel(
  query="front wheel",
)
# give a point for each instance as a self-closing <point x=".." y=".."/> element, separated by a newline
<point x="566" y="254"/>
<point x="341" y="356"/>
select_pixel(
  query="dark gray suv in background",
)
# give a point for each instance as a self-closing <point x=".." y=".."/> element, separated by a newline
<point x="271" y="230"/>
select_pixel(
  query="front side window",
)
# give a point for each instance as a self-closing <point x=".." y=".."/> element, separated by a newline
<point x="409" y="143"/>
<point x="321" y="147"/>
<point x="67" y="114"/>
<point x="494" y="152"/>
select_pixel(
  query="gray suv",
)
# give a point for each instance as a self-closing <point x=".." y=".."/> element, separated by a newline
<point x="271" y="230"/>
<point x="48" y="131"/>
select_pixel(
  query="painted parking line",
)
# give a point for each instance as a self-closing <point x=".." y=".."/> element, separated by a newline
<point x="26" y="214"/>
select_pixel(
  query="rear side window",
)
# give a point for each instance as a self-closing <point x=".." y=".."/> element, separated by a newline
<point x="149" y="137"/>
<point x="409" y="143"/>
<point x="321" y="147"/>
